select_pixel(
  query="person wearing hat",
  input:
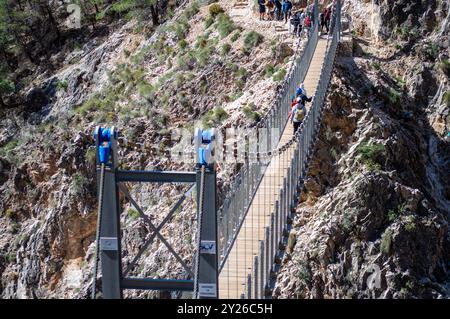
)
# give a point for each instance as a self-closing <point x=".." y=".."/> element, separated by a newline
<point x="301" y="92"/>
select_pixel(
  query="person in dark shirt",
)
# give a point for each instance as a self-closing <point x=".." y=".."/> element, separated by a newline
<point x="297" y="21"/>
<point x="286" y="7"/>
<point x="262" y="9"/>
<point x="277" y="9"/>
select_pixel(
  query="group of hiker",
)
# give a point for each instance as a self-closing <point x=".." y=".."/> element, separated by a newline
<point x="275" y="10"/>
<point x="301" y="20"/>
<point x="298" y="110"/>
<point x="325" y="19"/>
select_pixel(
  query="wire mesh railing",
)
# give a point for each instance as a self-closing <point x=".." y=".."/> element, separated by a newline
<point x="299" y="150"/>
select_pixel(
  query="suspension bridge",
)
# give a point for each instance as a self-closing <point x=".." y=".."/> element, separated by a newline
<point x="241" y="242"/>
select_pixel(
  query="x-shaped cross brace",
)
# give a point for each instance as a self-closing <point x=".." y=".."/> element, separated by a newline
<point x="156" y="230"/>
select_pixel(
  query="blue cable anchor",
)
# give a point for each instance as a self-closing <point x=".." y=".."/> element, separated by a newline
<point x="104" y="136"/>
<point x="204" y="145"/>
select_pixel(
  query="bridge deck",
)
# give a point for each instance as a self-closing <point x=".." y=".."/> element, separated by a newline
<point x="233" y="276"/>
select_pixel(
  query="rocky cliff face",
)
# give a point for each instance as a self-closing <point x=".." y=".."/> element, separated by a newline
<point x="199" y="68"/>
<point x="373" y="219"/>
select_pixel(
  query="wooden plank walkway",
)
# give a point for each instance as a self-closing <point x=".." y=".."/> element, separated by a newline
<point x="239" y="264"/>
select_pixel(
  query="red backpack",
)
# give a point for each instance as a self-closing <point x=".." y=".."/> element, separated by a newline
<point x="307" y="22"/>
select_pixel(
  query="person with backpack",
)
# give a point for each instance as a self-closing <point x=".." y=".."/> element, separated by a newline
<point x="302" y="21"/>
<point x="322" y="22"/>
<point x="307" y="24"/>
<point x="326" y="20"/>
<point x="286" y="7"/>
<point x="262" y="9"/>
<point x="298" y="113"/>
<point x="295" y="21"/>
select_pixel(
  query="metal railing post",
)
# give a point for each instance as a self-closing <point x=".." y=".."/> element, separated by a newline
<point x="267" y="264"/>
<point x="289" y="193"/>
<point x="277" y="229"/>
<point x="261" y="270"/>
<point x="280" y="221"/>
<point x="255" y="277"/>
<point x="272" y="241"/>
<point x="249" y="286"/>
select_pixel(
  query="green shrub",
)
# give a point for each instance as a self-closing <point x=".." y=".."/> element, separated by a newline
<point x="133" y="214"/>
<point x="202" y="41"/>
<point x="251" y="40"/>
<point x="392" y="215"/>
<point x="225" y="25"/>
<point x="446" y="98"/>
<point x="410" y="223"/>
<point x="182" y="44"/>
<point x="280" y="75"/>
<point x="386" y="241"/>
<point x="215" y="9"/>
<point x="445" y="66"/>
<point x="123" y="6"/>
<point x="91" y="156"/>
<point x="251" y="114"/>
<point x="203" y="54"/>
<point x="208" y="22"/>
<point x="235" y="36"/>
<point x="376" y="66"/>
<point x="9" y="258"/>
<point x="92" y="104"/>
<point x="180" y="80"/>
<point x="372" y="155"/>
<point x="6" y="86"/>
<point x="10" y="214"/>
<point x="394" y="97"/>
<point x="269" y="69"/>
<point x="400" y="81"/>
<point x="241" y="76"/>
<point x="8" y="147"/>
<point x="62" y="85"/>
<point x="180" y="28"/>
<point x="232" y="66"/>
<point x="214" y="117"/>
<point x="347" y="221"/>
<point x="303" y="274"/>
<point x="235" y="95"/>
<point x="226" y="48"/>
<point x="145" y="89"/>
<point x="192" y="10"/>
<point x="79" y="182"/>
<point x="432" y="50"/>
<point x="407" y="33"/>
